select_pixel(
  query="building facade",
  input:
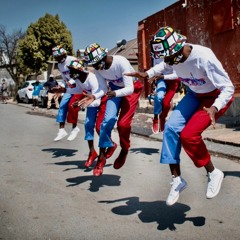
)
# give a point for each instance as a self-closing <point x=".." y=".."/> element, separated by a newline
<point x="211" y="23"/>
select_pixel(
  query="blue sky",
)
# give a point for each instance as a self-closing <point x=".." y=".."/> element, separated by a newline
<point x="104" y="22"/>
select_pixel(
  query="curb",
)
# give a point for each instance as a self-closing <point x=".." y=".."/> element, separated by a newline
<point x="217" y="148"/>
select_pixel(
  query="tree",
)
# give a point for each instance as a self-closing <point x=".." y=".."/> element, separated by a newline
<point x="8" y="52"/>
<point x="36" y="48"/>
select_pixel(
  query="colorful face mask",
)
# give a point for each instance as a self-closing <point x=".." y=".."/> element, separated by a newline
<point x="74" y="75"/>
<point x="173" y="59"/>
<point x="100" y="65"/>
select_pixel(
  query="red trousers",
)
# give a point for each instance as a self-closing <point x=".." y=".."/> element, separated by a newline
<point x="191" y="138"/>
<point x="72" y="115"/>
<point x="128" y="108"/>
<point x="101" y="113"/>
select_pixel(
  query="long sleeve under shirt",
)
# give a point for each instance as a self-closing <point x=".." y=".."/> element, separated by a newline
<point x="202" y="72"/>
<point x="115" y="75"/>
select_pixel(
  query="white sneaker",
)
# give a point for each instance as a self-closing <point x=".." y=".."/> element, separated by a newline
<point x="73" y="134"/>
<point x="215" y="179"/>
<point x="61" y="134"/>
<point x="178" y="185"/>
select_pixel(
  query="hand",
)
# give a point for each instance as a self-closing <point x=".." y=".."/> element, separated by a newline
<point x="151" y="80"/>
<point x="87" y="100"/>
<point x="137" y="74"/>
<point x="75" y="104"/>
<point x="211" y="112"/>
<point x="111" y="94"/>
<point x="155" y="78"/>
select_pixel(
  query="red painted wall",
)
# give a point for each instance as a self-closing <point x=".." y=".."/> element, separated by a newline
<point x="204" y="22"/>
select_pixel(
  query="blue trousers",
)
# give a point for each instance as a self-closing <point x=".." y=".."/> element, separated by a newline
<point x="171" y="147"/>
<point x="160" y="93"/>
<point x="63" y="108"/>
<point x="110" y="118"/>
<point x="90" y="122"/>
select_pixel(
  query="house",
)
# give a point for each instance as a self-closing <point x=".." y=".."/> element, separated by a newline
<point x="128" y="49"/>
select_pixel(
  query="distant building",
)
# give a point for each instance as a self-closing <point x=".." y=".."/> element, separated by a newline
<point x="80" y="53"/>
<point x="128" y="49"/>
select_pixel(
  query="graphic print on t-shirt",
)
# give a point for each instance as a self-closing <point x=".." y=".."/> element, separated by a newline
<point x="193" y="81"/>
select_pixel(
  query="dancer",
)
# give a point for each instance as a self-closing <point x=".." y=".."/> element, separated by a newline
<point x="123" y="95"/>
<point x="69" y="88"/>
<point x="96" y="110"/>
<point x="209" y="95"/>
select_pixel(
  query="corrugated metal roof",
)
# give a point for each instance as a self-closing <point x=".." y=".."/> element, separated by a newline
<point x="129" y="50"/>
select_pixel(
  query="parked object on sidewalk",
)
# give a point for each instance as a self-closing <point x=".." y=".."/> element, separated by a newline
<point x="209" y="95"/>
<point x="24" y="93"/>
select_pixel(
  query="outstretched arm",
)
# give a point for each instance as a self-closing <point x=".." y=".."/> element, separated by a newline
<point x="137" y="74"/>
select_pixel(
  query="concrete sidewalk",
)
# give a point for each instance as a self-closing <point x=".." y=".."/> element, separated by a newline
<point x="224" y="141"/>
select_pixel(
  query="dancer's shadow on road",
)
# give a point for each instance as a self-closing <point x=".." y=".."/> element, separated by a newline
<point x="148" y="212"/>
<point x="60" y="152"/>
<point x="95" y="182"/>
<point x="79" y="165"/>
<point x="232" y="173"/>
<point x="147" y="151"/>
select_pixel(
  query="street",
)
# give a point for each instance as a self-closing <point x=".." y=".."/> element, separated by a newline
<point x="47" y="194"/>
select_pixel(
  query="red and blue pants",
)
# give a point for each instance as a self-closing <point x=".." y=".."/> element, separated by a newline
<point x="120" y="110"/>
<point x="185" y="126"/>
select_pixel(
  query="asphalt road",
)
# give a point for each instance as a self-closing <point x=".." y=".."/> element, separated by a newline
<point x="46" y="194"/>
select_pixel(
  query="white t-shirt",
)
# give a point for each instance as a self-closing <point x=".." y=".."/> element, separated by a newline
<point x="95" y="86"/>
<point x="202" y="72"/>
<point x="66" y="76"/>
<point x="115" y="75"/>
